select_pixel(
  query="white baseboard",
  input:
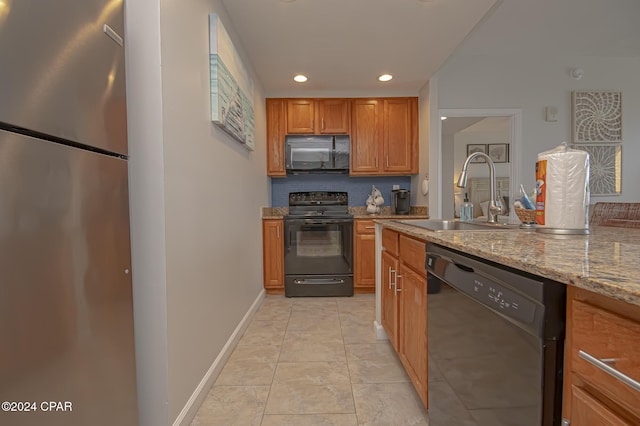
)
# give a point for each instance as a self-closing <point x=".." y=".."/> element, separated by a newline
<point x="380" y="333"/>
<point x="200" y="393"/>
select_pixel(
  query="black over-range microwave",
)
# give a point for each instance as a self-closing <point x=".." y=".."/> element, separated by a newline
<point x="317" y="153"/>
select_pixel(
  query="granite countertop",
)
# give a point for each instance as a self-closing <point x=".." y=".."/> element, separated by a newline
<point x="358" y="213"/>
<point x="607" y="261"/>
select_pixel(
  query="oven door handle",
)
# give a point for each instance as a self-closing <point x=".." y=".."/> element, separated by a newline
<point x="315" y="281"/>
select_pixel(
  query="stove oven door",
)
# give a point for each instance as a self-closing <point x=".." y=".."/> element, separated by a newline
<point x="318" y="246"/>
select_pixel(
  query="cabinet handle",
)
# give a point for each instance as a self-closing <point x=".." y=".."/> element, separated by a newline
<point x="322" y="123"/>
<point x="634" y="384"/>
<point x="376" y="162"/>
<point x="369" y="227"/>
<point x="396" y="283"/>
<point x="278" y="231"/>
<point x="391" y="282"/>
<point x="387" y="161"/>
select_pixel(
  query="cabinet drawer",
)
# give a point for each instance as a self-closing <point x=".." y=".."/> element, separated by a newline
<point x="390" y="241"/>
<point x="413" y="254"/>
<point x="365" y="226"/>
<point x="613" y="339"/>
<point x="587" y="410"/>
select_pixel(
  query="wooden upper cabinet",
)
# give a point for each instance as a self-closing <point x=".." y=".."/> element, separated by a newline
<point x="333" y="116"/>
<point x="384" y="136"/>
<point x="383" y="131"/>
<point x="400" y="144"/>
<point x="301" y="116"/>
<point x="275" y="137"/>
<point x="318" y="116"/>
<point x="366" y="134"/>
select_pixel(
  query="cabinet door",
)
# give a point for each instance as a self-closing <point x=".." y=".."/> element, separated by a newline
<point x="364" y="274"/>
<point x="275" y="137"/>
<point x="333" y="116"/>
<point x="300" y="115"/>
<point x="413" y="328"/>
<point x="366" y="134"/>
<point x="273" y="253"/>
<point x="400" y="141"/>
<point x="389" y="301"/>
<point x="588" y="411"/>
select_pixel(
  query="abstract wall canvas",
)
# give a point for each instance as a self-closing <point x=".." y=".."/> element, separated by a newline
<point x="231" y="86"/>
<point x="597" y="117"/>
<point x="605" y="168"/>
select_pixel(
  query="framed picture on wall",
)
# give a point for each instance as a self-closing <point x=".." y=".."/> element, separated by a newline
<point x="499" y="152"/>
<point x="473" y="147"/>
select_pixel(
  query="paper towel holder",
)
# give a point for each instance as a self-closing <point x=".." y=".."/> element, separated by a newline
<point x="562" y="231"/>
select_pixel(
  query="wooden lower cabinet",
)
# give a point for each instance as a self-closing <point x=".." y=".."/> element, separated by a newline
<point x="587" y="410"/>
<point x="601" y="328"/>
<point x="273" y="254"/>
<point x="404" y="304"/>
<point x="413" y="328"/>
<point x="389" y="299"/>
<point x="364" y="274"/>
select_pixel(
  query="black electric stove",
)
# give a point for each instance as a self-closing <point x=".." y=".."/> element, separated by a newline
<point x="318" y="255"/>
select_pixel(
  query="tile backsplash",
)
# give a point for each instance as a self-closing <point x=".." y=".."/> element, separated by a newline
<point x="358" y="188"/>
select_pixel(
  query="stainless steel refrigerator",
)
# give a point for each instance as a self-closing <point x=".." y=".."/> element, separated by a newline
<point x="66" y="314"/>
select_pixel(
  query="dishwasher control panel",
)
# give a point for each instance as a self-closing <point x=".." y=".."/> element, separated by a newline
<point x="466" y="276"/>
<point x="501" y="299"/>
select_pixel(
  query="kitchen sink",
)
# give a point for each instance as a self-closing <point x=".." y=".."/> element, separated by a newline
<point x="439" y="225"/>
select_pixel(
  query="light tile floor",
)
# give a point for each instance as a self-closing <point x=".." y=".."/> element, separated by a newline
<point x="312" y="361"/>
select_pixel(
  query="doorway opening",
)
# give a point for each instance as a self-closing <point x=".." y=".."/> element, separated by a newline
<point x="498" y="133"/>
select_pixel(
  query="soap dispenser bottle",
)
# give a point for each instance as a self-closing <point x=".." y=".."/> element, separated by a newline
<point x="466" y="210"/>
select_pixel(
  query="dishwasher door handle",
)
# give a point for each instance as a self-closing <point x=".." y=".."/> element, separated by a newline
<point x="464" y="267"/>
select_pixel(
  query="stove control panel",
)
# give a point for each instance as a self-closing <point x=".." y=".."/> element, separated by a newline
<point x="318" y="198"/>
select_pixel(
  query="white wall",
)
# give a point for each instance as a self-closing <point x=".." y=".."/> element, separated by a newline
<point x="533" y="82"/>
<point x="500" y="132"/>
<point x="424" y="129"/>
<point x="196" y="195"/>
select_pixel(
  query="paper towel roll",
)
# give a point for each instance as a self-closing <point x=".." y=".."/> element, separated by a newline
<point x="562" y="184"/>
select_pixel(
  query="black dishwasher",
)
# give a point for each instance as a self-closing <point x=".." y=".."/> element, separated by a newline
<point x="495" y="343"/>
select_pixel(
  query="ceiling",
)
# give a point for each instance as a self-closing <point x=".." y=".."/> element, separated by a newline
<point x="344" y="45"/>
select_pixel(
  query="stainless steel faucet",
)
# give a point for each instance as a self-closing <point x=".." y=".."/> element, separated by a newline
<point x="495" y="206"/>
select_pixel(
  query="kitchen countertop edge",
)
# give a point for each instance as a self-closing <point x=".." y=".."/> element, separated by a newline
<point x="601" y="262"/>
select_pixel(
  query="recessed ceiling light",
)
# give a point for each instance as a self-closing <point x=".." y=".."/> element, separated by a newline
<point x="385" y="77"/>
<point x="443" y="118"/>
<point x="300" y="78"/>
